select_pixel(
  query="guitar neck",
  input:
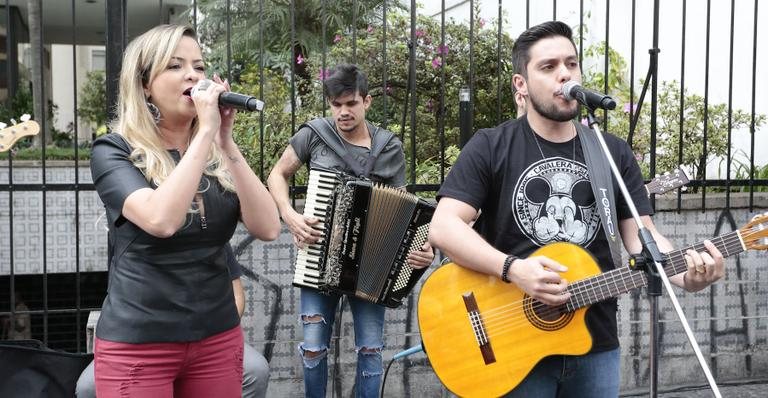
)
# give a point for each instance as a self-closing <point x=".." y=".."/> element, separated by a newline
<point x="621" y="280"/>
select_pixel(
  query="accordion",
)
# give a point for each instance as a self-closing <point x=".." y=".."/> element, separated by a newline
<point x="368" y="231"/>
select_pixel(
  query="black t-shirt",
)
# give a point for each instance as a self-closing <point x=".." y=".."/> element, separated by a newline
<point x="389" y="167"/>
<point x="175" y="289"/>
<point x="531" y="195"/>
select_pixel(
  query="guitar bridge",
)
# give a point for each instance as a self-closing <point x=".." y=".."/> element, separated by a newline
<point x="478" y="328"/>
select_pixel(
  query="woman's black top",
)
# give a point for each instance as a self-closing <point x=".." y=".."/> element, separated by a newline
<point x="174" y="289"/>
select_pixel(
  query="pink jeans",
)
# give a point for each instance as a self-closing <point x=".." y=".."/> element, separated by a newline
<point x="212" y="367"/>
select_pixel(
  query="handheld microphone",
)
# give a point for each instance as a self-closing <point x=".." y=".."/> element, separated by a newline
<point x="232" y="100"/>
<point x="412" y="350"/>
<point x="591" y="99"/>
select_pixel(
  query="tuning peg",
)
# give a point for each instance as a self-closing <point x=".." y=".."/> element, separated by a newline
<point x="657" y="175"/>
<point x="3" y="125"/>
<point x="684" y="188"/>
<point x="25" y="117"/>
<point x="13" y="122"/>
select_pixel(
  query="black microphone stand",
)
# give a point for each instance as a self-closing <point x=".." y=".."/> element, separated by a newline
<point x="651" y="261"/>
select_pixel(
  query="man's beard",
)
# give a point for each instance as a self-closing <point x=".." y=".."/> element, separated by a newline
<point x="348" y="129"/>
<point x="550" y="111"/>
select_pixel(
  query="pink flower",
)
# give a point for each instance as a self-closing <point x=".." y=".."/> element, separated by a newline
<point x="437" y="62"/>
<point x="442" y="49"/>
<point x="585" y="122"/>
<point x="629" y="108"/>
<point x="388" y="89"/>
<point x="420" y="33"/>
<point x="336" y="39"/>
<point x="299" y="60"/>
<point x="322" y="74"/>
<point x="370" y="29"/>
<point x="481" y="22"/>
<point x="429" y="105"/>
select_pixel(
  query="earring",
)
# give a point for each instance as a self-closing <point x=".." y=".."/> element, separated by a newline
<point x="154" y="111"/>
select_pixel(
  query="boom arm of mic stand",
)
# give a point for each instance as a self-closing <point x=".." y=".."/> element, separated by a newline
<point x="651" y="250"/>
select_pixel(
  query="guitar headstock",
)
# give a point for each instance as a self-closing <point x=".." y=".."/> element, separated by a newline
<point x="667" y="182"/>
<point x="9" y="135"/>
<point x="754" y="235"/>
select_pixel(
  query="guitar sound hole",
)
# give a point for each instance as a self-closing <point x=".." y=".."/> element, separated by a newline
<point x="545" y="317"/>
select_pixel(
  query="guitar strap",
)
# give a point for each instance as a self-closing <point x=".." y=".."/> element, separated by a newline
<point x="602" y="187"/>
<point x="325" y="129"/>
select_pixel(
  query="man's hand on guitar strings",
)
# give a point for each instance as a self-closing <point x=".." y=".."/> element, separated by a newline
<point x="540" y="277"/>
<point x="704" y="267"/>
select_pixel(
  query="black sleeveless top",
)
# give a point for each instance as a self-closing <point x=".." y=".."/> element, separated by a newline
<point x="175" y="289"/>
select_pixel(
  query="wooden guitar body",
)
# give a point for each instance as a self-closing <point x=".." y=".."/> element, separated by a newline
<point x="520" y="331"/>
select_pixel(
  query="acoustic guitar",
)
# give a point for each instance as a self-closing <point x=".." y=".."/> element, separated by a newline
<point x="483" y="336"/>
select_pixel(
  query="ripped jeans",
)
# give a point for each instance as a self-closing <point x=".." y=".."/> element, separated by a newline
<point x="318" y="312"/>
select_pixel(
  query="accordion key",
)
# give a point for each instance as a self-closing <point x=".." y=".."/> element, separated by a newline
<point x="368" y="231"/>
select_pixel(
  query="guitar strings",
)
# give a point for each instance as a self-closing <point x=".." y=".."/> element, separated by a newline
<point x="505" y="326"/>
<point x="611" y="276"/>
<point x="577" y="288"/>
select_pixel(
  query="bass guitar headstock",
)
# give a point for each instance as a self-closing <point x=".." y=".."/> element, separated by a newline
<point x="17" y="131"/>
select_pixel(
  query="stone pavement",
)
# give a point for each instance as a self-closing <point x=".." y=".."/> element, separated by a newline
<point x="740" y="389"/>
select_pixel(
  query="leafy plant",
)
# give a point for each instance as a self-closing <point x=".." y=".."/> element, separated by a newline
<point x="668" y="121"/>
<point x="93" y="99"/>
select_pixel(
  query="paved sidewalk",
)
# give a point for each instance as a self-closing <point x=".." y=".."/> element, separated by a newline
<point x="739" y="389"/>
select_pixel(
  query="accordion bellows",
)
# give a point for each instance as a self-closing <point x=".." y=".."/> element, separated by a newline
<point x="369" y="230"/>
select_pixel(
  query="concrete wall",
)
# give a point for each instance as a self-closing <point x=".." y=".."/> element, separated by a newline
<point x="729" y="320"/>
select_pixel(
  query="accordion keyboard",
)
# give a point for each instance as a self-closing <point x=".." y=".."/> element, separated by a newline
<point x="318" y="204"/>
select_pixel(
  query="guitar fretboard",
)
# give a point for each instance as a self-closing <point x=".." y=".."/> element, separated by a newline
<point x="621" y="280"/>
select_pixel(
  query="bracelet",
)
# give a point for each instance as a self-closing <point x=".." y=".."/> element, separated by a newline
<point x="505" y="270"/>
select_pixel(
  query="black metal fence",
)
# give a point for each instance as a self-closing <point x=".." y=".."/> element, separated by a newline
<point x="56" y="301"/>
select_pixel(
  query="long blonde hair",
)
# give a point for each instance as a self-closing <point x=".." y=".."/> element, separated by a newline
<point x="144" y="58"/>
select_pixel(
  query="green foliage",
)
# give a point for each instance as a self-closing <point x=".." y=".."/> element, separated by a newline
<point x="431" y="58"/>
<point x="278" y="124"/>
<point x="93" y="99"/>
<point x="51" y="153"/>
<point x="19" y="105"/>
<point x="245" y="18"/>
<point x="668" y="121"/>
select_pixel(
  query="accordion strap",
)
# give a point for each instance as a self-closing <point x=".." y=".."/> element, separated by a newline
<point x="602" y="188"/>
<point x="324" y="128"/>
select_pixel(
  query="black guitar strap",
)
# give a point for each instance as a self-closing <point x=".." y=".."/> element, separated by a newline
<point x="602" y="187"/>
<point x="325" y="129"/>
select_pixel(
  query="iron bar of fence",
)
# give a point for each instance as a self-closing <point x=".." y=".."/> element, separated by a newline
<point x="384" y="93"/>
<point x="261" y="86"/>
<point x="12" y="280"/>
<point x="412" y="89"/>
<point x="682" y="101"/>
<point x="730" y="111"/>
<point x="498" y="66"/>
<point x="702" y="162"/>
<point x="77" y="175"/>
<point x="752" y="114"/>
<point x="441" y="120"/>
<point x="354" y="31"/>
<point x="229" y="39"/>
<point x="43" y="142"/>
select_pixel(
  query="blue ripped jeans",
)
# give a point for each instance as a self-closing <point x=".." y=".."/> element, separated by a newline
<point x="318" y="312"/>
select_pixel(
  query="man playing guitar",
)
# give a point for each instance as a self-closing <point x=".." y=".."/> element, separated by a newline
<point x="529" y="177"/>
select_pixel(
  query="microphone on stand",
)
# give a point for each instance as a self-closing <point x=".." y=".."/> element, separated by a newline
<point x="591" y="99"/>
<point x="229" y="99"/>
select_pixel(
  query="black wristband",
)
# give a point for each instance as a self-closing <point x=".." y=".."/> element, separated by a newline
<point x="505" y="270"/>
